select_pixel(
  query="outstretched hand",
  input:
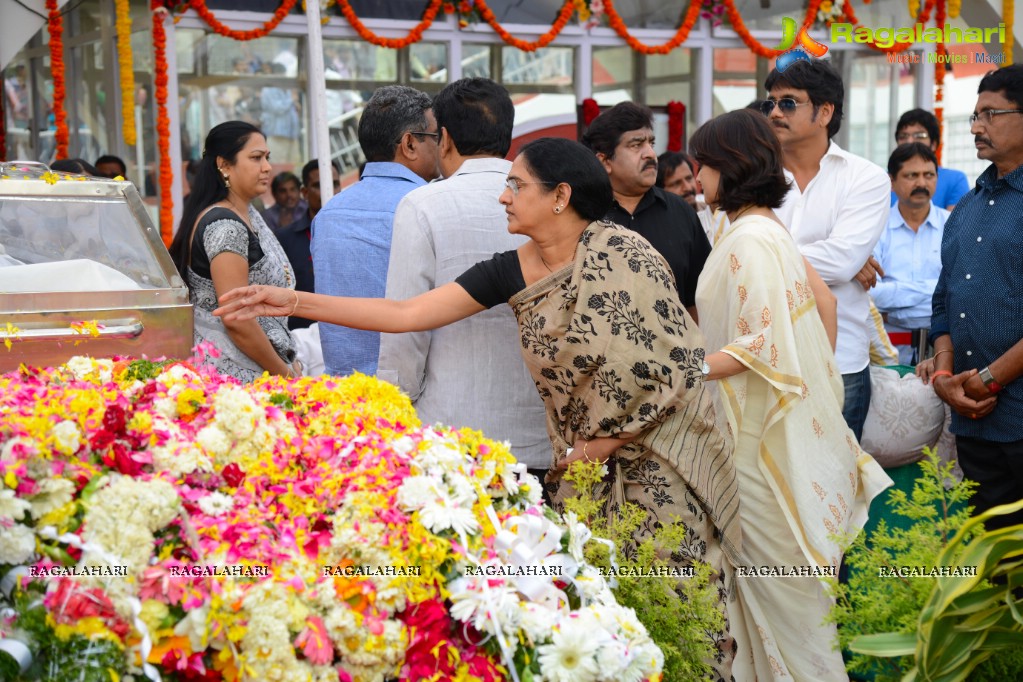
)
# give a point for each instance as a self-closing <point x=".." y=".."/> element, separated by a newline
<point x="258" y="300"/>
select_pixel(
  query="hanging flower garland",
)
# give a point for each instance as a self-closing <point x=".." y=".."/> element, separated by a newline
<point x="676" y="125"/>
<point x="282" y="11"/>
<point x="163" y="124"/>
<point x="414" y="36"/>
<point x="752" y="43"/>
<point x="564" y="15"/>
<point x="1009" y="14"/>
<point x="939" y="77"/>
<point x="591" y="110"/>
<point x="56" y="27"/>
<point x="126" y="70"/>
<point x="616" y="22"/>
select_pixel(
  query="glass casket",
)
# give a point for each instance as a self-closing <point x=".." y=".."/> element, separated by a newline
<point x="83" y="272"/>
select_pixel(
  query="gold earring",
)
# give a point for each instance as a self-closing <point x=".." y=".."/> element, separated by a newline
<point x="227" y="179"/>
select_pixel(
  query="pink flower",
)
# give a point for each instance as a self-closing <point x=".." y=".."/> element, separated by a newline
<point x="314" y="642"/>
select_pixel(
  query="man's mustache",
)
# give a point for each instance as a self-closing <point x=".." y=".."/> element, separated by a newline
<point x="985" y="140"/>
<point x="921" y="190"/>
<point x="650" y="164"/>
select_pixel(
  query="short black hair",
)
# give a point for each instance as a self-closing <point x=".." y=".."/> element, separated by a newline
<point x="392" y="111"/>
<point x="1007" y="78"/>
<point x="314" y="165"/>
<point x="920" y="117"/>
<point x="821" y="82"/>
<point x="478" y="115"/>
<point x="282" y="179"/>
<point x="905" y="152"/>
<point x="605" y="132"/>
<point x="110" y="158"/>
<point x="742" y="147"/>
<point x="555" y="160"/>
<point x="80" y="166"/>
<point x="668" y="162"/>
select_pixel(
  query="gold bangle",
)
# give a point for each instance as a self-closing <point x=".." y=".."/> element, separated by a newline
<point x="294" y="307"/>
<point x="944" y="350"/>
<point x="586" y="444"/>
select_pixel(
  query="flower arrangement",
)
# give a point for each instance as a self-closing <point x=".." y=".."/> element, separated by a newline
<point x="714" y="11"/>
<point x="159" y="519"/>
<point x="830" y="11"/>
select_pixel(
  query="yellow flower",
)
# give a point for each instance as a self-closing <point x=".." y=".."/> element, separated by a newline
<point x="8" y="332"/>
<point x="825" y="6"/>
<point x="50" y="177"/>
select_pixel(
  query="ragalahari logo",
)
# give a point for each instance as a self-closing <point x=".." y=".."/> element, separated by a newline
<point x="798" y="45"/>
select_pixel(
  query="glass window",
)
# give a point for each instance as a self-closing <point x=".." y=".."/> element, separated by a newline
<point x="476" y="61"/>
<point x="873" y="102"/>
<point x="548" y="66"/>
<point x="428" y="63"/>
<point x="18" y="110"/>
<point x="738" y="74"/>
<point x="613" y="69"/>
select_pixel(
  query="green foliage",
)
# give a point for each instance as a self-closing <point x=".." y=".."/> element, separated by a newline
<point x="144" y="370"/>
<point x="933" y="628"/>
<point x="680" y="615"/>
<point x="282" y="400"/>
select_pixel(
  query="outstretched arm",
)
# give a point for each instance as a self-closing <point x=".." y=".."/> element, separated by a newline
<point x="435" y="308"/>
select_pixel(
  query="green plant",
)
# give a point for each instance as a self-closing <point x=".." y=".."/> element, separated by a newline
<point x="933" y="628"/>
<point x="680" y="615"/>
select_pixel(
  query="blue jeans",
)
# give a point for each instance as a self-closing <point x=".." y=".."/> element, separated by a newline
<point x="857" y="400"/>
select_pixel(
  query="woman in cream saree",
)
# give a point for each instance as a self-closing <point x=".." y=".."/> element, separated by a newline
<point x="804" y="482"/>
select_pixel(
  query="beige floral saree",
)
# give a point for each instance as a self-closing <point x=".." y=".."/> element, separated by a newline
<point x="614" y="353"/>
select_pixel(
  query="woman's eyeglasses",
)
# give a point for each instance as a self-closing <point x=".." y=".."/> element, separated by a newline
<point x="911" y="137"/>
<point x="514" y="184"/>
<point x="787" y="105"/>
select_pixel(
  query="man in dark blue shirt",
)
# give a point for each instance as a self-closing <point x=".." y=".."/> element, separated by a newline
<point x="977" y="322"/>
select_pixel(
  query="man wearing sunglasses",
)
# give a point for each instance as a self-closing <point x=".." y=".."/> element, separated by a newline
<point x="977" y="316"/>
<point x="352" y="233"/>
<point x="469" y="373"/>
<point x="836" y="208"/>
<point x="921" y="126"/>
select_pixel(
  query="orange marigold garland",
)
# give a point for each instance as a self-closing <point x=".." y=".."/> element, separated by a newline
<point x="126" y="69"/>
<point x="203" y="11"/>
<point x="163" y="124"/>
<point x="1009" y="17"/>
<point x="567" y="9"/>
<point x="615" y="21"/>
<point x="414" y="36"/>
<point x="752" y="43"/>
<point x="56" y="27"/>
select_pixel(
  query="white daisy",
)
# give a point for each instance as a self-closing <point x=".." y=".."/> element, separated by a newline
<point x="570" y="656"/>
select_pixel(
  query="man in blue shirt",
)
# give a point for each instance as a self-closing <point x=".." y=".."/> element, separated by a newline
<point x="351" y="242"/>
<point x="909" y="250"/>
<point x="920" y="125"/>
<point x="977" y="322"/>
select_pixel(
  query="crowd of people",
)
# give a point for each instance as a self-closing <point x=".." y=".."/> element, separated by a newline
<point x="699" y="322"/>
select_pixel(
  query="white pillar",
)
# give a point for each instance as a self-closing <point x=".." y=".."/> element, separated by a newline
<point x="318" y="98"/>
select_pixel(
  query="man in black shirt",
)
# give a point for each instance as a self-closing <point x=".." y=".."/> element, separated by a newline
<point x="623" y="140"/>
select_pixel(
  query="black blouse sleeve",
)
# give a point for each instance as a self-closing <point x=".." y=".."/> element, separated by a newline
<point x="493" y="282"/>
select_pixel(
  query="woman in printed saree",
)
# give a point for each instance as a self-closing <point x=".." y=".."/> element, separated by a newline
<point x="615" y="357"/>
<point x="803" y="479"/>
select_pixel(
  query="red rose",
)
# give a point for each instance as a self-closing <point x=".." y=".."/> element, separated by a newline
<point x="233" y="474"/>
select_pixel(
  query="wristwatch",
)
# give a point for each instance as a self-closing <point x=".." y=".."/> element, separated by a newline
<point x="705" y="368"/>
<point x="989" y="381"/>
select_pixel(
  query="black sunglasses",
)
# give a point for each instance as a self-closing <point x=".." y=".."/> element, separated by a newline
<point x="787" y="105"/>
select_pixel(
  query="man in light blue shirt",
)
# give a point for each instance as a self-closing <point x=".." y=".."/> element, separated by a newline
<point x="351" y="235"/>
<point x="920" y="125"/>
<point x="909" y="250"/>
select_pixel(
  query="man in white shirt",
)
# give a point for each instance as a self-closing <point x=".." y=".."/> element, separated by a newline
<point x="469" y="373"/>
<point x="909" y="250"/>
<point x="836" y="209"/>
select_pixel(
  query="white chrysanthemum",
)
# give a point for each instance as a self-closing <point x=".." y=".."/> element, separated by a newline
<point x="537" y="621"/>
<point x="51" y="493"/>
<point x="17" y="544"/>
<point x="180" y="459"/>
<point x="591" y="583"/>
<point x="417" y="491"/>
<point x="613" y="659"/>
<point x="11" y="506"/>
<point x="236" y="411"/>
<point x="166" y="407"/>
<point x="442" y="452"/>
<point x="479" y="599"/>
<point x="216" y="503"/>
<point x="441" y="505"/>
<point x="83" y="366"/>
<point x="440" y="516"/>
<point x="178" y="374"/>
<point x="7" y="450"/>
<point x="123" y="516"/>
<point x="67" y="437"/>
<point x="570" y="656"/>
<point x="213" y="440"/>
